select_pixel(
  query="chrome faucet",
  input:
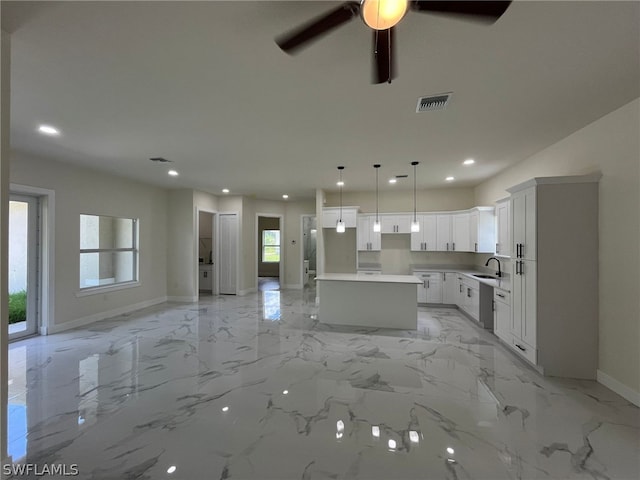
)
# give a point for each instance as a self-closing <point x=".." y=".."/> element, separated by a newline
<point x="499" y="272"/>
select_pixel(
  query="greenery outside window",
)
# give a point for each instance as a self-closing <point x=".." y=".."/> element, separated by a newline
<point x="108" y="251"/>
<point x="271" y="246"/>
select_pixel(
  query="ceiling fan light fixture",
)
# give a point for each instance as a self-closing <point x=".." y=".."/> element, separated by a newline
<point x="383" y="14"/>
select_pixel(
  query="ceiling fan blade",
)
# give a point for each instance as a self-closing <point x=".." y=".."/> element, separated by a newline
<point x="384" y="42"/>
<point x="298" y="38"/>
<point x="480" y="10"/>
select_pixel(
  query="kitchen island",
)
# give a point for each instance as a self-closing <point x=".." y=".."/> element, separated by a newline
<point x="387" y="301"/>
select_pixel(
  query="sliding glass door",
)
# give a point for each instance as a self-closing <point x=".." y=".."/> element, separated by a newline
<point x="23" y="265"/>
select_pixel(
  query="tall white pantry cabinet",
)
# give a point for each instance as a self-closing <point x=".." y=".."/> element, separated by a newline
<point x="554" y="272"/>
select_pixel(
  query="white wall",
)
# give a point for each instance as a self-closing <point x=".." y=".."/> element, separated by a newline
<point x="610" y="145"/>
<point x="5" y="102"/>
<point x="80" y="190"/>
<point x="292" y="242"/>
<point x="181" y="259"/>
<point x="392" y="201"/>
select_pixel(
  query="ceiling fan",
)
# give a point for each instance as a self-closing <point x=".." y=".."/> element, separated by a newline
<point x="382" y="16"/>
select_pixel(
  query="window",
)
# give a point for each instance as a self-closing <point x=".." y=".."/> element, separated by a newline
<point x="271" y="246"/>
<point x="108" y="251"/>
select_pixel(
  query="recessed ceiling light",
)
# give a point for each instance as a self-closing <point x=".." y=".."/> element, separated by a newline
<point x="225" y="190"/>
<point x="171" y="469"/>
<point x="285" y="196"/>
<point x="469" y="161"/>
<point x="449" y="179"/>
<point x="49" y="130"/>
<point x="340" y="183"/>
<point x="173" y="173"/>
<point x="225" y="409"/>
<point x="392" y="180"/>
<point x="285" y="392"/>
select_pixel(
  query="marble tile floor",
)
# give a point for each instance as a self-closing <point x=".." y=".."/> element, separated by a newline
<point x="255" y="388"/>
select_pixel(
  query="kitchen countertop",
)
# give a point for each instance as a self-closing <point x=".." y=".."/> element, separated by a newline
<point x="503" y="283"/>
<point x="354" y="277"/>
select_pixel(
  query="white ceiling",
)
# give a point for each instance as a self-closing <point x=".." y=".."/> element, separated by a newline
<point x="203" y="84"/>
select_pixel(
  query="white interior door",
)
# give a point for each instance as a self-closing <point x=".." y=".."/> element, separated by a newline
<point x="23" y="266"/>
<point x="227" y="258"/>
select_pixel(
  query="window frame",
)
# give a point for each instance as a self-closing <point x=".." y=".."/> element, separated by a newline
<point x="279" y="245"/>
<point x="134" y="249"/>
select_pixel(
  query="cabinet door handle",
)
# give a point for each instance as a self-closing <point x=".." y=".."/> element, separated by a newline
<point x="454" y="246"/>
<point x="444" y="276"/>
<point x="476" y="247"/>
<point x="497" y="249"/>
<point x="469" y="292"/>
<point x="428" y="285"/>
<point x="460" y="288"/>
<point x="493" y="306"/>
<point x="500" y="295"/>
<point x="447" y="246"/>
<point x="521" y="347"/>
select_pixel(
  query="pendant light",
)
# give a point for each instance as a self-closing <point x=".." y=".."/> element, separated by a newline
<point x="415" y="226"/>
<point x="376" y="224"/>
<point x="340" y="227"/>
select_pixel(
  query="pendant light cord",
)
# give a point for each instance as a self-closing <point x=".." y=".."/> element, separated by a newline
<point x="415" y="216"/>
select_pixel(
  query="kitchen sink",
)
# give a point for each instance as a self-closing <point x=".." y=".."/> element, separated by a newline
<point x="482" y="275"/>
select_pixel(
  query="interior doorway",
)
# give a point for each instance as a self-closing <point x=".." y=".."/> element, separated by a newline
<point x="309" y="237"/>
<point x="206" y="260"/>
<point x="269" y="252"/>
<point x="24" y="256"/>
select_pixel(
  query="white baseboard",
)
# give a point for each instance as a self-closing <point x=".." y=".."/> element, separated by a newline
<point x="186" y="299"/>
<point x="618" y="387"/>
<point x="247" y="291"/>
<point x="81" y="322"/>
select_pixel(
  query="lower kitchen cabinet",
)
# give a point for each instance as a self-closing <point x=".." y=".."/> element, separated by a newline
<point x="450" y="288"/>
<point x="471" y="298"/>
<point x="502" y="314"/>
<point x="205" y="277"/>
<point x="430" y="291"/>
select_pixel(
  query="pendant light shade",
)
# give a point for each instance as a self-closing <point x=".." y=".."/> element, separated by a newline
<point x="415" y="226"/>
<point x="376" y="224"/>
<point x="383" y="14"/>
<point x="340" y="226"/>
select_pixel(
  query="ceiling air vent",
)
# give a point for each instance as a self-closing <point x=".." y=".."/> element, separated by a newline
<point x="402" y="176"/>
<point x="160" y="160"/>
<point x="433" y="102"/>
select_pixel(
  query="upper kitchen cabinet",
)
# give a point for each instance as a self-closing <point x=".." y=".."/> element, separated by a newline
<point x="425" y="239"/>
<point x="523" y="223"/>
<point x="367" y="239"/>
<point x="396" y="223"/>
<point x="482" y="229"/>
<point x="331" y="215"/>
<point x="443" y="232"/>
<point x="503" y="232"/>
<point x="460" y="233"/>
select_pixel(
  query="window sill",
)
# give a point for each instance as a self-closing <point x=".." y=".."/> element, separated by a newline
<point x="85" y="292"/>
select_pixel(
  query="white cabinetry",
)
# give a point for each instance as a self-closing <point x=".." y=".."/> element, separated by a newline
<point x="443" y="232"/>
<point x="396" y="223"/>
<point x="460" y="232"/>
<point x="205" y="277"/>
<point x="502" y="314"/>
<point x="449" y="288"/>
<point x="425" y="239"/>
<point x="503" y="232"/>
<point x="523" y="220"/>
<point x="554" y="300"/>
<point x="367" y="239"/>
<point x="482" y="229"/>
<point x="331" y="215"/>
<point x="470" y="298"/>
<point x="430" y="291"/>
